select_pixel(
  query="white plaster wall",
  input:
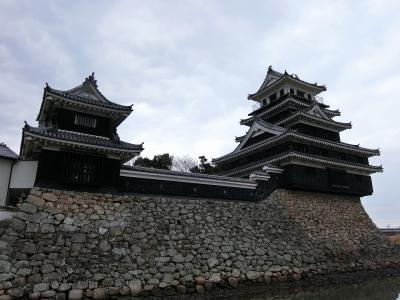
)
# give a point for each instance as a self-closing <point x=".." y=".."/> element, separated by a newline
<point x="5" y="170"/>
<point x="23" y="174"/>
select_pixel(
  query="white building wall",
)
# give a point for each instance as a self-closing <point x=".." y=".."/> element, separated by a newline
<point x="23" y="174"/>
<point x="5" y="172"/>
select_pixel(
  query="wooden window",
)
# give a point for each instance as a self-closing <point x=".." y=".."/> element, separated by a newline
<point x="300" y="93"/>
<point x="272" y="97"/>
<point x="83" y="169"/>
<point x="281" y="92"/>
<point x="85" y="121"/>
<point x="291" y="91"/>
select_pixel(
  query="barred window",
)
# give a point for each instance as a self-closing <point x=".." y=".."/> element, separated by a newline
<point x="86" y="121"/>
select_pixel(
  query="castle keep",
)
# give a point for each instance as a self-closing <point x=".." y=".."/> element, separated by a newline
<point x="285" y="206"/>
<point x="294" y="131"/>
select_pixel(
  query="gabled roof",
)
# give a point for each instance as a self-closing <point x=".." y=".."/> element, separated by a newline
<point x="318" y="112"/>
<point x="259" y="126"/>
<point x="273" y="77"/>
<point x="270" y="78"/>
<point x="78" y="139"/>
<point x="296" y="136"/>
<point x="297" y="156"/>
<point x="288" y="102"/>
<point x="7" y="153"/>
<point x="300" y="115"/>
<point x="86" y="94"/>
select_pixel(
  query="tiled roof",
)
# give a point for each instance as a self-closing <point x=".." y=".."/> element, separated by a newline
<point x="326" y="161"/>
<point x="302" y="138"/>
<point x="6" y="152"/>
<point x="184" y="174"/>
<point x="86" y="100"/>
<point x="272" y="72"/>
<point x="302" y="115"/>
<point x="80" y="138"/>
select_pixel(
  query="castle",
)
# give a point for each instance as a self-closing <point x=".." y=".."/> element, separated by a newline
<point x="285" y="207"/>
<point x="292" y="143"/>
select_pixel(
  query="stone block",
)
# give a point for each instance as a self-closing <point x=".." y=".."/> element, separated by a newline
<point x="181" y="289"/>
<point x="61" y="296"/>
<point x="32" y="227"/>
<point x="5" y="266"/>
<point x="17" y="224"/>
<point x="47" y="268"/>
<point x="41" y="287"/>
<point x="49" y="197"/>
<point x="64" y="287"/>
<point x="135" y="286"/>
<point x="5" y="248"/>
<point x="212" y="262"/>
<point x="233" y="282"/>
<point x="34" y="296"/>
<point x="28" y="208"/>
<point x="16" y="292"/>
<point x="200" y="280"/>
<point x="75" y="294"/>
<point x="35" y="200"/>
<point x="200" y="289"/>
<point x="48" y="294"/>
<point x="179" y="258"/>
<point x="78" y="237"/>
<point x="99" y="294"/>
<point x="215" y="278"/>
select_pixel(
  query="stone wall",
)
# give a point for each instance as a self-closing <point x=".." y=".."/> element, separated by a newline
<point x="73" y="244"/>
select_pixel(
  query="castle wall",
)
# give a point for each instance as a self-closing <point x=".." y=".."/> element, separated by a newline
<point x="65" y="242"/>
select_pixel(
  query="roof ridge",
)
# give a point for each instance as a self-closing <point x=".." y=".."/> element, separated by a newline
<point x="310" y="157"/>
<point x="83" y="134"/>
<point x="187" y="174"/>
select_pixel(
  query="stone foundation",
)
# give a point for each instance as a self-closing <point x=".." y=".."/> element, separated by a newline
<point x="72" y="244"/>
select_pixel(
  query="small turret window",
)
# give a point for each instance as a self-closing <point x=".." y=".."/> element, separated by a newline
<point x="300" y="93"/>
<point x="86" y="121"/>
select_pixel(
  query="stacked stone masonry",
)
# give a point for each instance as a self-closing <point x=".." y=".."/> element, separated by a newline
<point x="74" y="245"/>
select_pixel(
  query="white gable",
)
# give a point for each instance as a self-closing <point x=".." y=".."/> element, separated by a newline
<point x="318" y="112"/>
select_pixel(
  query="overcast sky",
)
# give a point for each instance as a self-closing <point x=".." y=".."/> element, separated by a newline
<point x="187" y="66"/>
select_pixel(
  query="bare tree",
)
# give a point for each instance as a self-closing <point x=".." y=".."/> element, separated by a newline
<point x="184" y="164"/>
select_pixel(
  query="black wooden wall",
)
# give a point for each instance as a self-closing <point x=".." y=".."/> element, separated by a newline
<point x="64" y="169"/>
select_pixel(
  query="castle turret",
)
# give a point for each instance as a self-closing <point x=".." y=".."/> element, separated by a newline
<point x="76" y="141"/>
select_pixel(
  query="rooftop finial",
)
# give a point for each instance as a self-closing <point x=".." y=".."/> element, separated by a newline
<point x="91" y="79"/>
<point x="269" y="68"/>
